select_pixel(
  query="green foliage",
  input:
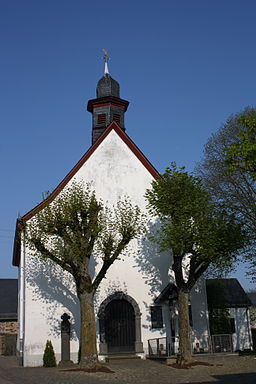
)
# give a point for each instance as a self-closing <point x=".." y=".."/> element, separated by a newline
<point x="220" y="322"/>
<point x="192" y="225"/>
<point x="196" y="232"/>
<point x="241" y="154"/>
<point x="67" y="227"/>
<point x="75" y="226"/>
<point x="49" y="359"/>
<point x="227" y="170"/>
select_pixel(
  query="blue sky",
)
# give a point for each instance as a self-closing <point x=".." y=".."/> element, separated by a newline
<point x="184" y="65"/>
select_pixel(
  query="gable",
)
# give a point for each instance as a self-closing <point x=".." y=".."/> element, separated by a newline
<point x="114" y="171"/>
<point x="107" y="159"/>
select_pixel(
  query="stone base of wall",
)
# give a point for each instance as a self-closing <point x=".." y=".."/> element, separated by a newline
<point x="8" y="337"/>
<point x="8" y="345"/>
<point x="2" y="344"/>
<point x="9" y="327"/>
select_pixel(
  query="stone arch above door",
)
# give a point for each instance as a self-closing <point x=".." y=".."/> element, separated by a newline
<point x="103" y="347"/>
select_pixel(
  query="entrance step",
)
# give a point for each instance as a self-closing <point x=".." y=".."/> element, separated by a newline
<point x="122" y="356"/>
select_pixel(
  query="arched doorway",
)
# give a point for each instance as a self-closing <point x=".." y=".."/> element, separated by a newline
<point x="119" y="324"/>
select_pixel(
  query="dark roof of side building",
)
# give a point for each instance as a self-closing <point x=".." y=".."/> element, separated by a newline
<point x="226" y="293"/>
<point x="8" y="299"/>
<point x="169" y="293"/>
<point x="252" y="297"/>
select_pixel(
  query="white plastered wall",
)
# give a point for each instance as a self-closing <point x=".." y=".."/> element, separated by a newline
<point x="242" y="338"/>
<point x="200" y="316"/>
<point x="114" y="172"/>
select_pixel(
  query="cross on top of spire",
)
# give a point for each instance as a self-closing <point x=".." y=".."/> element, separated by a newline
<point x="106" y="60"/>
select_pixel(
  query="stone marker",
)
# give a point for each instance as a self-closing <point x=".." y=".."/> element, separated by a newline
<point x="65" y="342"/>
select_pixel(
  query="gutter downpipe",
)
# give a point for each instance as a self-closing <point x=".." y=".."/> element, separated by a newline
<point x="249" y="328"/>
<point x="210" y="348"/>
<point x="22" y="301"/>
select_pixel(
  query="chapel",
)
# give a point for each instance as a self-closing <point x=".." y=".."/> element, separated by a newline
<point x="136" y="305"/>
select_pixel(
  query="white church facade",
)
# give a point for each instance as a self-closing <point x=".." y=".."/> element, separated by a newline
<point x="136" y="301"/>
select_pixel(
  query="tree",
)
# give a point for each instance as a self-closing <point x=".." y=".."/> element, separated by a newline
<point x="196" y="233"/>
<point x="228" y="172"/>
<point x="49" y="359"/>
<point x="241" y="154"/>
<point x="73" y="229"/>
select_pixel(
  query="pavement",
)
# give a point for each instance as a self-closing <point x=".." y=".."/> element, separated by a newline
<point x="225" y="369"/>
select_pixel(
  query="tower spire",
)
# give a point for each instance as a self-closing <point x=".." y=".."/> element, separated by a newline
<point x="108" y="106"/>
<point x="106" y="60"/>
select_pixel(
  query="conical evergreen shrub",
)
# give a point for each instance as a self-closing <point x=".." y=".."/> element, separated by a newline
<point x="49" y="355"/>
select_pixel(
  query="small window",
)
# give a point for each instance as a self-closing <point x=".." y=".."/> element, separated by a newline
<point x="101" y="119"/>
<point x="232" y="325"/>
<point x="190" y="315"/>
<point x="117" y="118"/>
<point x="156" y="317"/>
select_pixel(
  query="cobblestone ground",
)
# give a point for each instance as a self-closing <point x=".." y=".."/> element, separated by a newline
<point x="229" y="369"/>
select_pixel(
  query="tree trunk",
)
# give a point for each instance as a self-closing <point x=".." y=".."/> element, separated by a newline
<point x="185" y="354"/>
<point x="88" y="349"/>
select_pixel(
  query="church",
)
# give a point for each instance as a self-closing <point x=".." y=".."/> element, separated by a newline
<point x="136" y="304"/>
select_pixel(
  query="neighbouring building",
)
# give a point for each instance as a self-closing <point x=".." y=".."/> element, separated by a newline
<point x="8" y="316"/>
<point x="252" y="298"/>
<point x="228" y="307"/>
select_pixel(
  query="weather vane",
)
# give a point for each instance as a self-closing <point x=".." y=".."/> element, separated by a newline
<point x="106" y="60"/>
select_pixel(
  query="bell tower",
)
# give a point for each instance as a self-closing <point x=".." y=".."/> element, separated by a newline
<point x="108" y="106"/>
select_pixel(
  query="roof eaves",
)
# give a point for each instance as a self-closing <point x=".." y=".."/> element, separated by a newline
<point x="8" y="316"/>
<point x="17" y="245"/>
<point x="168" y="293"/>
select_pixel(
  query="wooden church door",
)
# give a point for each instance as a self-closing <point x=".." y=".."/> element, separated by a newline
<point x="120" y="326"/>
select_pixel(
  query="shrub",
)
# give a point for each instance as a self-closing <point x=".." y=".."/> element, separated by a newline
<point x="49" y="355"/>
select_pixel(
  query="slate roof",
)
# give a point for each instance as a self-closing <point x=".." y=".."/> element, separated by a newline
<point x="226" y="293"/>
<point x="252" y="297"/>
<point x="8" y="299"/>
<point x="168" y="293"/>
